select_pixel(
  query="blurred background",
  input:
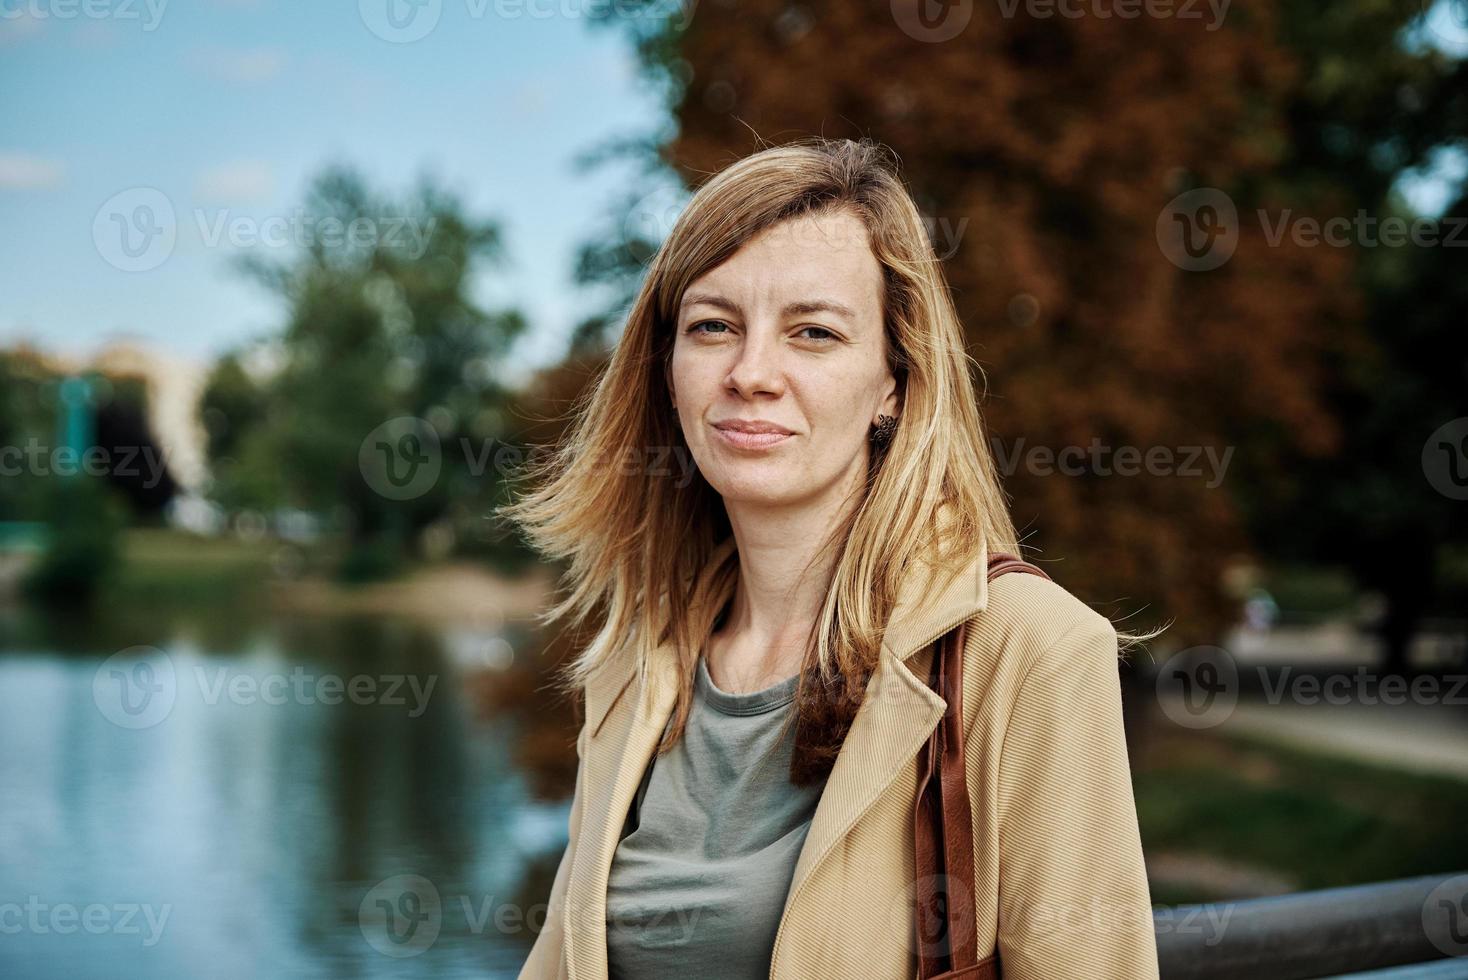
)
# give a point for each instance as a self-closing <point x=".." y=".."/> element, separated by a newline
<point x="290" y="293"/>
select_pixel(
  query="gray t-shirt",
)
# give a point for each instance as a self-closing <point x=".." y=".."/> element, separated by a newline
<point x="700" y="876"/>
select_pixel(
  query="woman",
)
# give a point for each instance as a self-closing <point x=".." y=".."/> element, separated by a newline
<point x="756" y="695"/>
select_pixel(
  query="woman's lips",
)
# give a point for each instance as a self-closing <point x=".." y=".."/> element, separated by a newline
<point x="752" y="440"/>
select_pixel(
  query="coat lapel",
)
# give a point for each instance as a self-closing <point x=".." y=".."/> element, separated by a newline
<point x="897" y="715"/>
<point x="616" y="755"/>
<point x="898" y="712"/>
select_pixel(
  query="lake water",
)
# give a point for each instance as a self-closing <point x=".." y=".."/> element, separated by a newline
<point x="281" y="797"/>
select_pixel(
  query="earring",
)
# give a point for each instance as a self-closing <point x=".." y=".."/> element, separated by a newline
<point x="883" y="430"/>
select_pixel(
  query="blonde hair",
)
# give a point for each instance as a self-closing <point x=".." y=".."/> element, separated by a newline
<point x="635" y="540"/>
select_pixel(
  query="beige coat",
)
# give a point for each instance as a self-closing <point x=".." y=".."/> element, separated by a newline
<point x="1058" y="867"/>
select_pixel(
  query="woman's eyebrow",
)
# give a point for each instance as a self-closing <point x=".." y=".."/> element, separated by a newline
<point x="797" y="308"/>
<point x="710" y="299"/>
<point x="808" y="306"/>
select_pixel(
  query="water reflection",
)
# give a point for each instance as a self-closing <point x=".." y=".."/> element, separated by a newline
<point x="302" y="763"/>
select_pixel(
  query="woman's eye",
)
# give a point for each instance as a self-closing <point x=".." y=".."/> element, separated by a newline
<point x="822" y="330"/>
<point x="707" y="323"/>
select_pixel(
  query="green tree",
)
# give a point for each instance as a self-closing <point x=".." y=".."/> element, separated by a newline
<point x="83" y="547"/>
<point x="381" y="325"/>
<point x="1374" y="99"/>
<point x="27" y="412"/>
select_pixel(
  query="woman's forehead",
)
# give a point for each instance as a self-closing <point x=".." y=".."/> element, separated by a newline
<point x="802" y="260"/>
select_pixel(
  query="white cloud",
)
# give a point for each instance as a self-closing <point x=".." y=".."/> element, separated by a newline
<point x="244" y="66"/>
<point x="27" y="172"/>
<point x="531" y="98"/>
<point x="237" y="182"/>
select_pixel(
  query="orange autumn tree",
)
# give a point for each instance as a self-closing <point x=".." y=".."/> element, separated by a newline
<point x="1045" y="152"/>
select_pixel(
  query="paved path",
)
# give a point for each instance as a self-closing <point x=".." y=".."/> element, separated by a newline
<point x="1427" y="734"/>
<point x="1420" y="738"/>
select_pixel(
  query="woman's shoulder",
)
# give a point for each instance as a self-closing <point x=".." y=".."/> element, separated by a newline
<point x="1029" y="620"/>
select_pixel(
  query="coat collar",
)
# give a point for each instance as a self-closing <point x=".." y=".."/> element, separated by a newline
<point x="918" y="617"/>
<point x="896" y="717"/>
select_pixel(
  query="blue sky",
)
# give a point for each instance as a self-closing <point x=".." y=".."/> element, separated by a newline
<point x="228" y="108"/>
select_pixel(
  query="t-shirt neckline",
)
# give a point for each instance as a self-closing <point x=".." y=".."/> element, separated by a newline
<point x="745" y="703"/>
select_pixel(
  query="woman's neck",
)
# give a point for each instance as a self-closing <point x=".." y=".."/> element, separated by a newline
<point x="777" y="599"/>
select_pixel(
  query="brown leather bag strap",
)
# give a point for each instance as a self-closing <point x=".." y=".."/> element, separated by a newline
<point x="945" y="924"/>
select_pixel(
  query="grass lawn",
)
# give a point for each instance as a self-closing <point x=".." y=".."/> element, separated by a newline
<point x="174" y="565"/>
<point x="1251" y="816"/>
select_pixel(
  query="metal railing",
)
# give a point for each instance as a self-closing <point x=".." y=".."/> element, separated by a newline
<point x="1390" y="930"/>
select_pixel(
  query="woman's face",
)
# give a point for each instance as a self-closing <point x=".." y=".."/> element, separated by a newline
<point x="788" y="334"/>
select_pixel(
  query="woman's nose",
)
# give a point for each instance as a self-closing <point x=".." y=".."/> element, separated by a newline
<point x="757" y="365"/>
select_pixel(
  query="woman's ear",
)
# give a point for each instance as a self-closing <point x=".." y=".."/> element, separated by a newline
<point x="892" y="404"/>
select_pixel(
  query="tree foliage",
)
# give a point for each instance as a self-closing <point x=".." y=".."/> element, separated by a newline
<point x="381" y="324"/>
<point x="1043" y="150"/>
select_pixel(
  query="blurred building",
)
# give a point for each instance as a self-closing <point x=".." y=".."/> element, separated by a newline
<point x="173" y="385"/>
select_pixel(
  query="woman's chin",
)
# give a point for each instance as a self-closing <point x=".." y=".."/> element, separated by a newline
<point x="753" y="489"/>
